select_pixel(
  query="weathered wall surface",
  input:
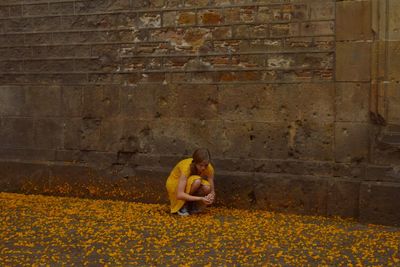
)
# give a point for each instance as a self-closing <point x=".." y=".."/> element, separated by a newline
<point x="100" y="98"/>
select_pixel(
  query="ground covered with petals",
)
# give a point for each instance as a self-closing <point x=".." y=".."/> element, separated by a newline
<point x="42" y="230"/>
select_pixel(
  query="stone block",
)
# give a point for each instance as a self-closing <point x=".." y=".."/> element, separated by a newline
<point x="393" y="19"/>
<point x="196" y="3"/>
<point x="232" y="164"/>
<point x="141" y="101"/>
<point x="310" y="140"/>
<point x="186" y="18"/>
<point x="71" y="101"/>
<point x="111" y="134"/>
<point x="353" y="20"/>
<point x="140" y="4"/>
<point x="18" y="52"/>
<point x="248" y="14"/>
<point x="182" y="137"/>
<point x="294" y="12"/>
<point x="314" y="61"/>
<point x="353" y="61"/>
<point x="137" y="136"/>
<point x="38" y="66"/>
<point x="40" y="24"/>
<point x="4" y="12"/>
<point x="322" y="10"/>
<point x="292" y="194"/>
<point x="65" y="51"/>
<point x="99" y="160"/>
<point x="235" y="190"/>
<point x="72" y="133"/>
<point x="67" y="156"/>
<point x="15" y="24"/>
<point x="49" y="133"/>
<point x="169" y="19"/>
<point x="196" y="101"/>
<point x="16" y="132"/>
<point x="351" y="97"/>
<point x="343" y="198"/>
<point x="393" y="64"/>
<point x="27" y="154"/>
<point x="149" y="20"/>
<point x="382" y="173"/>
<point x="90" y="133"/>
<point x="59" y="79"/>
<point x="292" y="166"/>
<point x="15" y="11"/>
<point x="11" y="66"/>
<point x="210" y="17"/>
<point x="83" y="65"/>
<point x="100" y="5"/>
<point x="256" y="61"/>
<point x="317" y="28"/>
<point x="351" y="141"/>
<point x="393" y="99"/>
<point x="380" y="203"/>
<point x="37" y="38"/>
<point x="156" y="3"/>
<point x="385" y="154"/>
<point x="146" y="160"/>
<point x="265" y="140"/>
<point x="353" y="170"/>
<point x="61" y="8"/>
<point x="12" y="39"/>
<point x="13" y="101"/>
<point x="45" y="101"/>
<point x="283" y="103"/>
<point x="111" y="101"/>
<point x="285" y="30"/>
<point x="35" y="10"/>
<point x="99" y="101"/>
<point x="231" y="15"/>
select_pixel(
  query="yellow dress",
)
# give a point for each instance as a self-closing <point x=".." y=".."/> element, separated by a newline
<point x="173" y="180"/>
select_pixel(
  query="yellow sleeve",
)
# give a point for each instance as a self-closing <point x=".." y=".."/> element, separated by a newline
<point x="184" y="167"/>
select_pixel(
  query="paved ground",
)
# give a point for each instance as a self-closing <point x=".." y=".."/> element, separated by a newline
<point x="39" y="230"/>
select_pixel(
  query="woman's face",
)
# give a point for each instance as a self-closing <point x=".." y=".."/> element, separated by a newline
<point x="202" y="166"/>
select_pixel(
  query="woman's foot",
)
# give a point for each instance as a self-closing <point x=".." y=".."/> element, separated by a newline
<point x="183" y="211"/>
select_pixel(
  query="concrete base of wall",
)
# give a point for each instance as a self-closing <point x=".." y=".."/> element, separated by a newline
<point x="368" y="201"/>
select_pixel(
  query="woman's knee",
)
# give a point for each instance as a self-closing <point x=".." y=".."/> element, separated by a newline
<point x="205" y="189"/>
<point x="195" y="186"/>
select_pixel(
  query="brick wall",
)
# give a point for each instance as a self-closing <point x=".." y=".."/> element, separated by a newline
<point x="163" y="77"/>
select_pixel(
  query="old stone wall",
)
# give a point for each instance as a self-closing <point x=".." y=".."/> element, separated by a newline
<point x="101" y="98"/>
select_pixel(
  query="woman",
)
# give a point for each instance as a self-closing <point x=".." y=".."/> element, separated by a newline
<point x="191" y="180"/>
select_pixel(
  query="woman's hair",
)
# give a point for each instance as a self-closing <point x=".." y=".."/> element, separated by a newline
<point x="199" y="155"/>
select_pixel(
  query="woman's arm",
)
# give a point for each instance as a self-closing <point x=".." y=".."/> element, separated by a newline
<point x="211" y="181"/>
<point x="180" y="192"/>
<point x="211" y="196"/>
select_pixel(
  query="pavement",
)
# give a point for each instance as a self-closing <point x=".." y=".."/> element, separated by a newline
<point x="40" y="230"/>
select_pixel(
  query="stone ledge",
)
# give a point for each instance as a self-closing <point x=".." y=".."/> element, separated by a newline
<point x="380" y="203"/>
<point x="370" y="202"/>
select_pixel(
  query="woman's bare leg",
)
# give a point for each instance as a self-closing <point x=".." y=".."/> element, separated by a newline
<point x="203" y="190"/>
<point x="195" y="186"/>
<point x="198" y="206"/>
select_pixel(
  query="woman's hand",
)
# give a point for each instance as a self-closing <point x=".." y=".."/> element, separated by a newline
<point x="206" y="200"/>
<point x="210" y="197"/>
